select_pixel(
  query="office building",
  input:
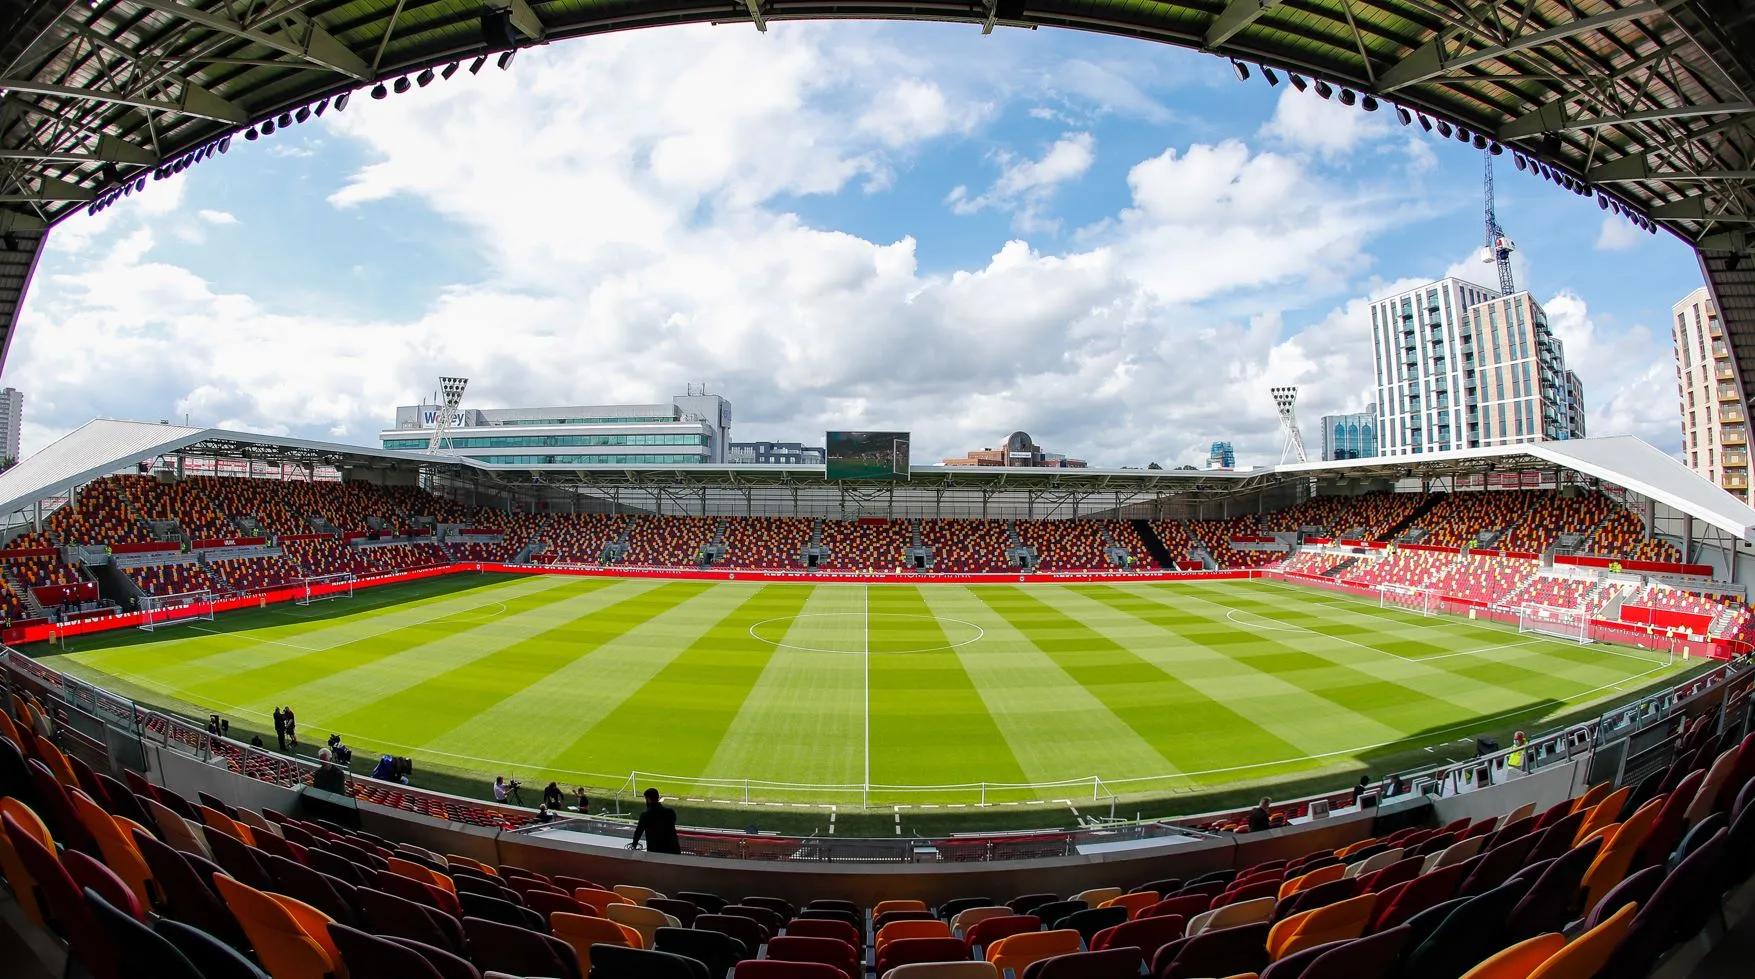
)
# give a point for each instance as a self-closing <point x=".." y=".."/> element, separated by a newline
<point x="690" y="429"/>
<point x="1715" y="440"/>
<point x="11" y="424"/>
<point x="1459" y="366"/>
<point x="1222" y="456"/>
<point x="1019" y="450"/>
<point x="775" y="454"/>
<point x="1350" y="436"/>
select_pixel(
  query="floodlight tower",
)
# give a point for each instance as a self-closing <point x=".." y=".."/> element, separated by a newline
<point x="1286" y="400"/>
<point x="450" y="396"/>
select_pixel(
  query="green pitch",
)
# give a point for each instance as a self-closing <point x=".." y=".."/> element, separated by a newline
<point x="815" y="692"/>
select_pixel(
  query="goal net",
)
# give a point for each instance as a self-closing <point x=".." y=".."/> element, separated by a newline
<point x="323" y="587"/>
<point x="1414" y="599"/>
<point x="159" y="611"/>
<point x="1571" y="624"/>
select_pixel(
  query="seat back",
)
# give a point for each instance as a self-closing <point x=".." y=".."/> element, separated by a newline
<point x="215" y="959"/>
<point x="745" y="930"/>
<point x="644" y="920"/>
<point x="291" y="938"/>
<point x="621" y="962"/>
<point x="1115" y="963"/>
<point x="635" y="893"/>
<point x="716" y="950"/>
<point x="519" y="951"/>
<point x="581" y="932"/>
<point x="1232" y="915"/>
<point x="368" y="955"/>
<point x="903" y="929"/>
<point x="943" y="970"/>
<point x="393" y="916"/>
<point x="1146" y="934"/>
<point x="1371" y="957"/>
<point x="901" y="904"/>
<point x="968" y="918"/>
<point x="825" y="951"/>
<point x="61" y="901"/>
<point x="993" y="929"/>
<point x="1014" y="953"/>
<point x="838" y="930"/>
<point x="1224" y="952"/>
<point x="1585" y="956"/>
<point x="1091" y="921"/>
<point x="1335" y="922"/>
<point x="145" y="951"/>
<point x="907" y="951"/>
<point x="597" y="899"/>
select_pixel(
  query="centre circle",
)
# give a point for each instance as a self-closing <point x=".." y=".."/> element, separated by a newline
<point x="860" y="632"/>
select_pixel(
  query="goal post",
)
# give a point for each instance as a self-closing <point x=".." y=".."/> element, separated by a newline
<point x="1409" y="597"/>
<point x="1570" y="624"/>
<point x="323" y="587"/>
<point x="159" y="611"/>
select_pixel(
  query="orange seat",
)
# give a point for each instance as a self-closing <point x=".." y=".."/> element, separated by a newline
<point x="57" y="762"/>
<point x="907" y="904"/>
<point x="1014" y="953"/>
<point x="1520" y="960"/>
<point x="1616" y="856"/>
<point x="10" y="730"/>
<point x="1591" y="797"/>
<point x="597" y="900"/>
<point x="1319" y="926"/>
<point x="422" y="873"/>
<point x="911" y="929"/>
<point x="582" y="932"/>
<point x="23" y="886"/>
<point x="1585" y="956"/>
<point x="118" y="849"/>
<point x="290" y="937"/>
<point x="1602" y="814"/>
<point x="475" y="865"/>
<point x="1134" y="903"/>
<point x="226" y="824"/>
<point x="1304" y="882"/>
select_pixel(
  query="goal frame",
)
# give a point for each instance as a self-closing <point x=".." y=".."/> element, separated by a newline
<point x="1555" y="622"/>
<point x="340" y="578"/>
<point x="179" y="608"/>
<point x="1411" y="598"/>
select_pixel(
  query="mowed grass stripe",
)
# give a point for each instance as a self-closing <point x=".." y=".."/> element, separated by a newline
<point x="270" y="669"/>
<point x="1056" y="729"/>
<point x="928" y="722"/>
<point x="1176" y="719"/>
<point x="435" y="705"/>
<point x="675" y="722"/>
<point x="1268" y="682"/>
<point x="803" y="720"/>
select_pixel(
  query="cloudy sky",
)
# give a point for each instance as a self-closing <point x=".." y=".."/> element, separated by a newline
<point x="1112" y="245"/>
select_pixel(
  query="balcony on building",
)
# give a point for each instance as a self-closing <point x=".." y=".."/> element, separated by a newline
<point x="1724" y="372"/>
<point x="1732" y="436"/>
<point x="1731" y="417"/>
<point x="1728" y="392"/>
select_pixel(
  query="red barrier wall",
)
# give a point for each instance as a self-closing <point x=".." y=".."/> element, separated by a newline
<point x="146" y="547"/>
<point x="229" y="542"/>
<point x="1654" y="567"/>
<point x="1665" y="618"/>
<point x="18" y="552"/>
<point x="79" y="591"/>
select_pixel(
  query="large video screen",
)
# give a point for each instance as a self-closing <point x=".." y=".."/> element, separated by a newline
<point x="870" y="456"/>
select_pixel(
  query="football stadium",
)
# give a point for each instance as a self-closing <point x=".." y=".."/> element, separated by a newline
<point x="617" y="706"/>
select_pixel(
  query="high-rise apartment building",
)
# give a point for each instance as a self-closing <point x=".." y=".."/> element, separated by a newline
<point x="1715" y="429"/>
<point x="1350" y="436"/>
<point x="11" y="423"/>
<point x="1459" y="366"/>
<point x="1222" y="456"/>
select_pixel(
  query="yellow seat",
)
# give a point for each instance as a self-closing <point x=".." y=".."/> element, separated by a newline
<point x="1014" y="953"/>
<point x="582" y="932"/>
<point x="118" y="849"/>
<point x="177" y="832"/>
<point x="1602" y="814"/>
<point x="970" y="917"/>
<point x="642" y="919"/>
<point x="225" y="824"/>
<point x="1701" y="805"/>
<point x="636" y="893"/>
<point x="598" y="900"/>
<point x="57" y="763"/>
<point x="1617" y="853"/>
<point x="1231" y="915"/>
<point x="920" y="928"/>
<point x="10" y="730"/>
<point x="257" y="822"/>
<point x="1095" y="896"/>
<point x="290" y="937"/>
<point x="1319" y="926"/>
<point x="1585" y="956"/>
<point x="944" y="970"/>
<point x="422" y="873"/>
<point x="1133" y="903"/>
<point x="1591" y="797"/>
<point x="1352" y="848"/>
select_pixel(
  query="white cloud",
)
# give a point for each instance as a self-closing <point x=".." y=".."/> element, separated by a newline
<point x="1618" y="234"/>
<point x="216" y="217"/>
<point x="1306" y="121"/>
<point x="1626" y="373"/>
<point x="1026" y="186"/>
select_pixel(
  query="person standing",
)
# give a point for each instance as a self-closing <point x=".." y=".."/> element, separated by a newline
<point x="499" y="788"/>
<point x="658" y="826"/>
<point x="292" y="731"/>
<point x="328" y="776"/>
<point x="280" y="729"/>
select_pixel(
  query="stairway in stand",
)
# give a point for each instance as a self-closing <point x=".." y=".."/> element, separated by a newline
<point x="1154" y="545"/>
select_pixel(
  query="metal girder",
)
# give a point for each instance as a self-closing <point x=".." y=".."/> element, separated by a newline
<point x="524" y="20"/>
<point x="50" y="189"/>
<point x="1553" y="117"/>
<point x="110" y="149"/>
<point x="316" y="46"/>
<point x="13" y="221"/>
<point x="1638" y="167"/>
<point x="1695" y="209"/>
<point x="759" y="18"/>
<point x="1429" y="60"/>
<point x="195" y="101"/>
<point x="1237" y="15"/>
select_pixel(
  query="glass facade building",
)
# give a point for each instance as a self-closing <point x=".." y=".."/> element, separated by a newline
<point x="1350" y="436"/>
<point x="691" y="429"/>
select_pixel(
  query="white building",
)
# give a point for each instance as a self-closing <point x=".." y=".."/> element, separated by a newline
<point x="1715" y="439"/>
<point x="775" y="454"/>
<point x="11" y="422"/>
<point x="1459" y="366"/>
<point x="690" y="430"/>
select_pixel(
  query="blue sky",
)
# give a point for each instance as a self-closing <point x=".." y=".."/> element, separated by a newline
<point x="1113" y="245"/>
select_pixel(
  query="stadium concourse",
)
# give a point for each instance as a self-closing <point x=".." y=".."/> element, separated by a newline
<point x="1603" y="847"/>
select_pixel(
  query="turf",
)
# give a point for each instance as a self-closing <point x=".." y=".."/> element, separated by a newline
<point x="877" y="695"/>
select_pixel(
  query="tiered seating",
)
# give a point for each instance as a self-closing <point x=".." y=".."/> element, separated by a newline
<point x="1372" y="514"/>
<point x="864" y="545"/>
<point x="962" y="546"/>
<point x="1560" y="593"/>
<point x="579" y="538"/>
<point x="1066" y="545"/>
<point x="1173" y="534"/>
<point x="1484" y="577"/>
<point x="34" y="572"/>
<point x="1312" y="562"/>
<point x="12" y="607"/>
<point x="1677" y="600"/>
<point x="256" y="573"/>
<point x="182" y="502"/>
<point x="344" y="506"/>
<point x="411" y="501"/>
<point x="1541" y="516"/>
<point x="491" y="551"/>
<point x="1125" y="536"/>
<point x="1604" y="885"/>
<point x="668" y="542"/>
<point x="172" y="579"/>
<point x="325" y="556"/>
<point x="390" y="558"/>
<point x="765" y="542"/>
<point x="260" y="499"/>
<point x="99" y="515"/>
<point x="1401" y="567"/>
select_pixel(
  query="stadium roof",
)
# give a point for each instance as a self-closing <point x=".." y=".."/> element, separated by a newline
<point x="106" y="445"/>
<point x="1646" y="104"/>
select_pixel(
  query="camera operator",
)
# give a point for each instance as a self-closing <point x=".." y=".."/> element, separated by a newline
<point x="551" y="796"/>
<point x="499" y="788"/>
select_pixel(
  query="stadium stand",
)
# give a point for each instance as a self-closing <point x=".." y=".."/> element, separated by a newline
<point x="503" y="551"/>
<point x="1401" y="567"/>
<point x="122" y="873"/>
<point x="1484" y="578"/>
<point x="1067" y="545"/>
<point x="261" y="502"/>
<point x="318" y="556"/>
<point x="181" y="503"/>
<point x="390" y="558"/>
<point x="255" y="573"/>
<point x="766" y="542"/>
<point x="172" y="579"/>
<point x="960" y="546"/>
<point x="865" y="544"/>
<point x="578" y="538"/>
<point x="1365" y="517"/>
<point x="98" y="515"/>
<point x="668" y="542"/>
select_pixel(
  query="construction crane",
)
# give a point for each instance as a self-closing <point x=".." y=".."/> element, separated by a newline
<point x="1499" y="247"/>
